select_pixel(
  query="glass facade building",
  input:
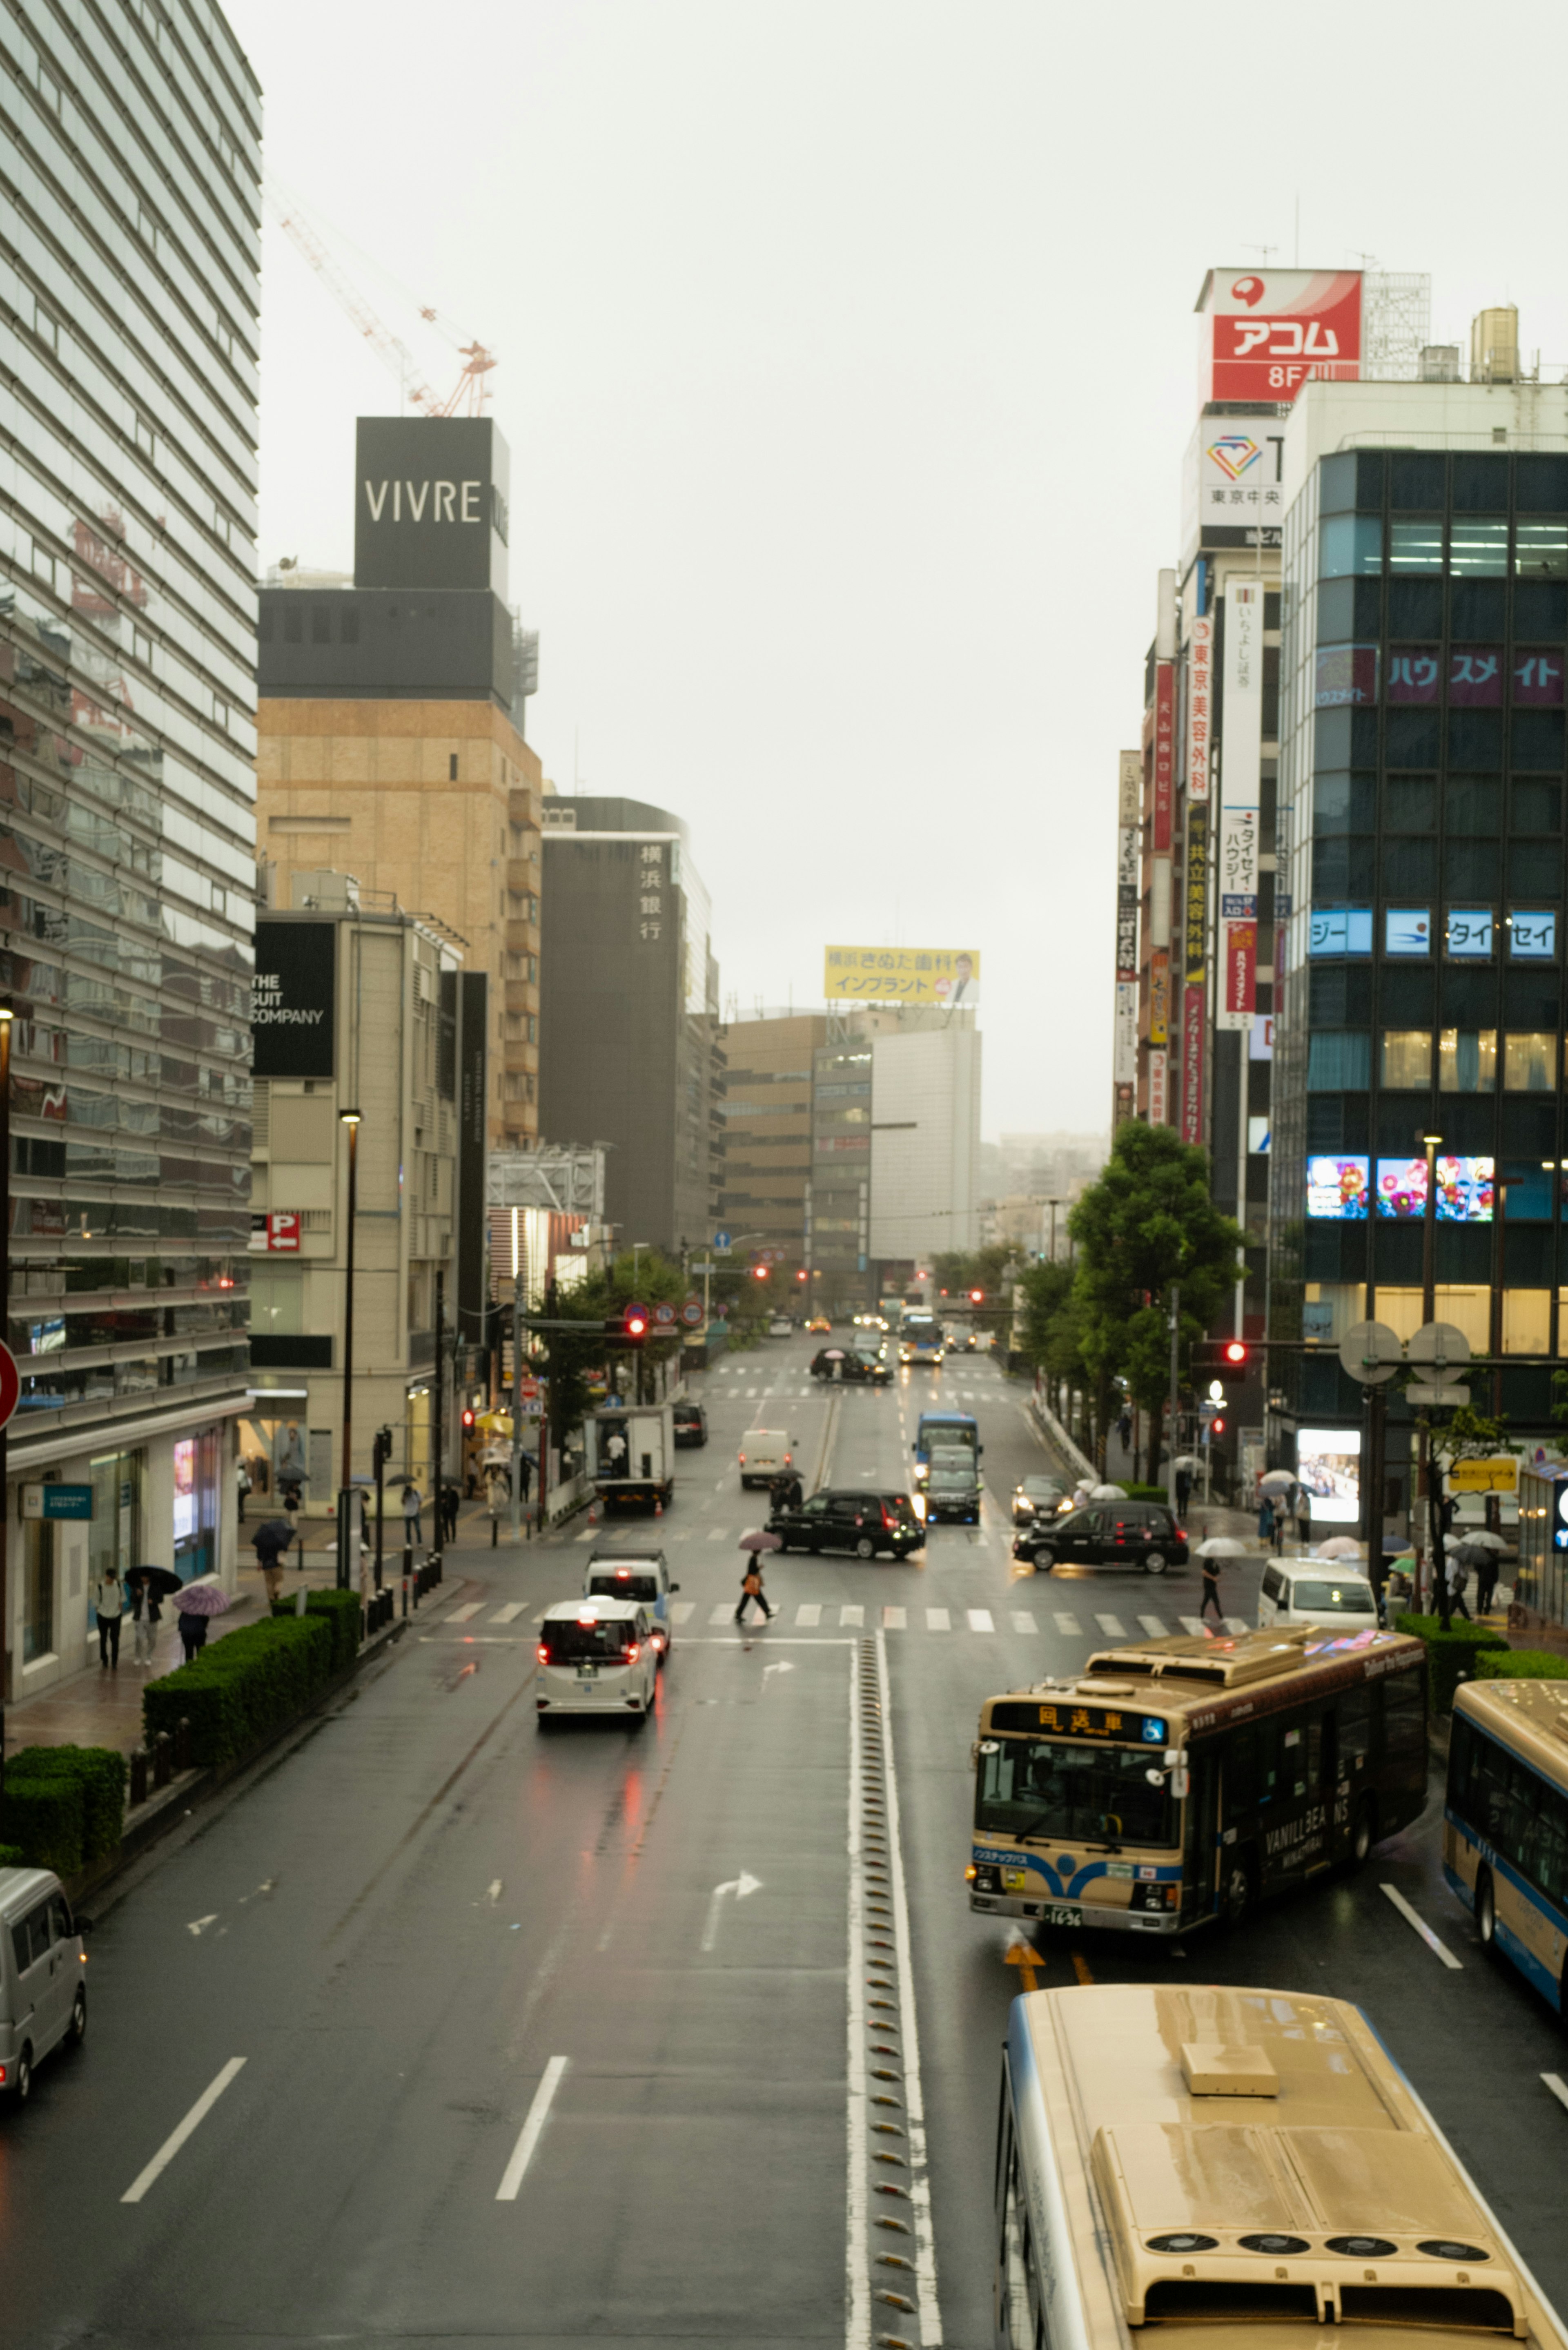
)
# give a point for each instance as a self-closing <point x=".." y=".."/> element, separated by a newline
<point x="130" y="289"/>
<point x="1425" y="625"/>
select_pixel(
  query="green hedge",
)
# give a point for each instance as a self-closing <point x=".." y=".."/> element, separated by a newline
<point x="250" y="1682"/>
<point x="64" y="1806"/>
<point x="1145" y="1492"/>
<point x="1522" y="1665"/>
<point x="342" y="1612"/>
<point x="1452" y="1656"/>
<point x="11" y="1856"/>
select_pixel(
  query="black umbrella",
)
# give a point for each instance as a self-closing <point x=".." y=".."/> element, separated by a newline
<point x="280" y="1529"/>
<point x="160" y="1580"/>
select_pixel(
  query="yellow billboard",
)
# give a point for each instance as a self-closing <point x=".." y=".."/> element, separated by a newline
<point x="1499" y="1476"/>
<point x="945" y="976"/>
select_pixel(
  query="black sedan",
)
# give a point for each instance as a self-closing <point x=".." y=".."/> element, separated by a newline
<point x="953" y="1497"/>
<point x="860" y="1521"/>
<point x="850" y="1365"/>
<point x="1106" y="1533"/>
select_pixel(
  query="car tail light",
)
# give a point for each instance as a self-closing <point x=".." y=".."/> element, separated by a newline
<point x="742" y="1460"/>
<point x="543" y="1653"/>
<point x="888" y="1518"/>
<point x="1180" y="1532"/>
<point x="633" y="1653"/>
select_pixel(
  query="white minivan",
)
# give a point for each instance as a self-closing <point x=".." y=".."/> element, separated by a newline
<point x="642" y="1574"/>
<point x="1314" y="1591"/>
<point x="597" y="1656"/>
<point x="766" y="1454"/>
<point x="43" y="1999"/>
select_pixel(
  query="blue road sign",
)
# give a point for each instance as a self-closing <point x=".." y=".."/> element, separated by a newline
<point x="721" y="1240"/>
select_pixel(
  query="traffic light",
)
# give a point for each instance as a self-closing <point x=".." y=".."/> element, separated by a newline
<point x="977" y="1297"/>
<point x="1233" y="1354"/>
<point x="1216" y="1424"/>
<point x="630" y="1325"/>
<point x="1234" y="1351"/>
<point x="382" y="1448"/>
<point x="800" y="1276"/>
<point x="760" y="1271"/>
<point x="467" y="1420"/>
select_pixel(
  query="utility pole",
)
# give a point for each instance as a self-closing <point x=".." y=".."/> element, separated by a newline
<point x="516" y="1397"/>
<point x="1171" y="1440"/>
<point x="1427" y="1549"/>
<point x="437" y="1409"/>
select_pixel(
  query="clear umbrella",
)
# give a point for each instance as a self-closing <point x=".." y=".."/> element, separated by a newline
<point x="1339" y="1546"/>
<point x="1108" y="1493"/>
<point x="1222" y="1546"/>
<point x="1276" y="1480"/>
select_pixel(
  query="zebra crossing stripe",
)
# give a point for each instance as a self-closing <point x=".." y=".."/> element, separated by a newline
<point x="1111" y="1625"/>
<point x="937" y="1620"/>
<point x="980" y="1620"/>
<point x="1069" y="1624"/>
<point x="1022" y="1621"/>
<point x="809" y="1613"/>
<point x="895" y="1619"/>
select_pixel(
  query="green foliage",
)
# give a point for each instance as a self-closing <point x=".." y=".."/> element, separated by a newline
<point x="100" y="1771"/>
<point x="46" y="1818"/>
<point x="1467" y="1434"/>
<point x="1451" y="1656"/>
<point x="1521" y="1665"/>
<point x="254" y="1681"/>
<point x="11" y="1856"/>
<point x="342" y="1612"/>
<point x="654" y="1280"/>
<point x="990" y="1270"/>
<point x="1146" y="1493"/>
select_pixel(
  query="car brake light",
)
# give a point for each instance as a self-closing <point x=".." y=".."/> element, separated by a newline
<point x="622" y="1573"/>
<point x="886" y="1516"/>
<point x="588" y="1620"/>
<point x="543" y="1653"/>
<point x="1182" y="1534"/>
<point x="633" y="1653"/>
<point x="742" y="1460"/>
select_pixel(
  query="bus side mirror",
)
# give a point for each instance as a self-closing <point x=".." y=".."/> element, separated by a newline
<point x="1180" y="1777"/>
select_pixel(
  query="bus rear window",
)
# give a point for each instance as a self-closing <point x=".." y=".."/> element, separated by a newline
<point x="1034" y="1787"/>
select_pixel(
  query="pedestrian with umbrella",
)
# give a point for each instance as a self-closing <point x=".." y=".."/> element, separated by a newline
<point x="271" y="1539"/>
<point x="149" y="1587"/>
<point x="752" y="1546"/>
<point x="1210" y="1553"/>
<point x="197" y="1604"/>
<point x="1272" y="1490"/>
<point x="1490" y="1547"/>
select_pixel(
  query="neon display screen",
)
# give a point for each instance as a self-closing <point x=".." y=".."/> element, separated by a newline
<point x="1467" y="1190"/>
<point x="1337" y="1189"/>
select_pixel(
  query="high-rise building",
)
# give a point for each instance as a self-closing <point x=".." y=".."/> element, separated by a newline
<point x="391" y="717"/>
<point x="1421" y="1018"/>
<point x="629" y="1014"/>
<point x="842" y="1279"/>
<point x="766" y="1108"/>
<point x="132" y="207"/>
<point x="356" y="1008"/>
<point x="925" y="1136"/>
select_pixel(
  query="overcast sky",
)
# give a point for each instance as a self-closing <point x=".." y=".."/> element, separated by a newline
<point x="846" y="361"/>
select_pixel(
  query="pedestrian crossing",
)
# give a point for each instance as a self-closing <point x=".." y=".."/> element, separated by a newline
<point x="852" y="1615"/>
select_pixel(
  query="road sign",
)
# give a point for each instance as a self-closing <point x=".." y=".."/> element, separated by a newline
<point x="664" y="1315"/>
<point x="692" y="1312"/>
<point x="721" y="1241"/>
<point x="1449" y="1397"/>
<point x="1439" y="1346"/>
<point x="1371" y="1352"/>
<point x="635" y="1312"/>
<point x="10" y="1384"/>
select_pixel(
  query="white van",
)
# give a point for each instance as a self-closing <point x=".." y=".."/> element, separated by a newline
<point x="639" y="1575"/>
<point x="43" y="1999"/>
<point x="1314" y="1591"/>
<point x="766" y="1454"/>
<point x="597" y="1656"/>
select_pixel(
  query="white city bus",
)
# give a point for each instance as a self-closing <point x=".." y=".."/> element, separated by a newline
<point x="1196" y="2158"/>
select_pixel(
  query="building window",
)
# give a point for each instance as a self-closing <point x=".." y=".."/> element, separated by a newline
<point x="1341" y="930"/>
<point x="1531" y="937"/>
<point x="1353" y="544"/>
<point x="1413" y="672"/>
<point x="1407" y="930"/>
<point x="1470" y="934"/>
<point x="1478" y="548"/>
<point x="1407" y="1058"/>
<point x="1347" y="674"/>
<point x="1466" y="1060"/>
<point x="1339" y="1060"/>
<point x="1538" y="677"/>
<point x="1529" y="1061"/>
<point x="1415" y="546"/>
<point x="451" y="768"/>
<point x="1541" y="550"/>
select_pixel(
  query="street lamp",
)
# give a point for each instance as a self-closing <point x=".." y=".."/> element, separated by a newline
<point x="1499" y="1265"/>
<point x="1431" y="1144"/>
<point x="346" y="1531"/>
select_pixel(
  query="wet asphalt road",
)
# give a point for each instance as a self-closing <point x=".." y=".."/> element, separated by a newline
<point x="642" y="2035"/>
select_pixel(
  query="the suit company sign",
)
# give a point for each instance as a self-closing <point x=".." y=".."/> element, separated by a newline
<point x="293" y="998"/>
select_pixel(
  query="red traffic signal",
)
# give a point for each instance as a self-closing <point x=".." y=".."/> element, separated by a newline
<point x="761" y="1272"/>
<point x="630" y="1325"/>
<point x="467" y="1420"/>
<point x="800" y="1276"/>
<point x="1234" y="1350"/>
<point x="977" y="1296"/>
<point x="1216" y="1424"/>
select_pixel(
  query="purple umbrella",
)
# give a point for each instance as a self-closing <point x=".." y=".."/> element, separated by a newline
<point x="201" y="1599"/>
<point x="757" y="1539"/>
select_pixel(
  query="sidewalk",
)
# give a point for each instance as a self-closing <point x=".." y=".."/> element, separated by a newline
<point x="1202" y="1518"/>
<point x="103" y="1708"/>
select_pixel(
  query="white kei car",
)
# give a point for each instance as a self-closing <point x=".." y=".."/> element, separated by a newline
<point x="597" y="1656"/>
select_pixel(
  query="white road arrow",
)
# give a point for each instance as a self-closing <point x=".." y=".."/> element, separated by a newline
<point x="740" y="1887"/>
<point x="775" y="1669"/>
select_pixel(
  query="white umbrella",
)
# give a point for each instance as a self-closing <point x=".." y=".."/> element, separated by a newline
<point x="1488" y="1540"/>
<point x="1222" y="1546"/>
<point x="1276" y="1480"/>
<point x="1107" y="1493"/>
<point x="1340" y="1546"/>
<point x="1187" y="1460"/>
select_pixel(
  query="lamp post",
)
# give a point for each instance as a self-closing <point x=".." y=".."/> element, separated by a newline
<point x="347" y="1531"/>
<point x="7" y="1017"/>
<point x="1555" y="1169"/>
<point x="1430" y="1144"/>
<point x="1499" y="1267"/>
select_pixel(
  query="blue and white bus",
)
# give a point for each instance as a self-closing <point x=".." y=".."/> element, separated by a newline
<point x="922" y="1339"/>
<point x="1505" y="1823"/>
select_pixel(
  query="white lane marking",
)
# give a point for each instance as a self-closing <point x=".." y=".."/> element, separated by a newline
<point x="858" y="2263"/>
<point x="1413" y="1917"/>
<point x="1558" y="2086"/>
<point x="196" y="1924"/>
<point x="532" y="2128"/>
<point x="683" y="1610"/>
<point x="1238" y="1625"/>
<point x="1111" y="1625"/>
<point x="717" y="1534"/>
<point x="1193" y="1624"/>
<point x="177" y="2137"/>
<point x="895" y="1619"/>
<point x="591" y="1535"/>
<point x="809" y="1612"/>
<point x="914" y="2094"/>
<point x="980" y="1620"/>
<point x="741" y="1887"/>
<point x="461" y="1615"/>
<point x="492" y="1891"/>
<point x="1153" y="1627"/>
<point x="1067" y="1624"/>
<point x="936" y="1620"/>
<point x="849" y="1617"/>
<point x="775" y="1669"/>
<point x="1022" y="1621"/>
<point x="509" y="1614"/>
<point x="722" y="1613"/>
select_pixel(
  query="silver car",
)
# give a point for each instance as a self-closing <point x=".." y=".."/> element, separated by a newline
<point x="43" y="1999"/>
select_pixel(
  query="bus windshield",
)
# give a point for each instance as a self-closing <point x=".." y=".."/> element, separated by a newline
<point x="1032" y="1787"/>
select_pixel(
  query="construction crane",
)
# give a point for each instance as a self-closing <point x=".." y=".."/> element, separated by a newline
<point x="470" y="392"/>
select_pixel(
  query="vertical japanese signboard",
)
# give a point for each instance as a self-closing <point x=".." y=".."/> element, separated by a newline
<point x="1195" y="934"/>
<point x="1129" y="820"/>
<point x="1158" y="1100"/>
<point x="1159" y="996"/>
<point x="1199" y="708"/>
<point x="1240" y="770"/>
<point x="1164" y="754"/>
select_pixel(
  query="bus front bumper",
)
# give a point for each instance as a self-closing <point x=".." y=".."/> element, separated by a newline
<point x="1089" y="1916"/>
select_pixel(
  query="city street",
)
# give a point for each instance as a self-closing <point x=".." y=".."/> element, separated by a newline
<point x="683" y="2033"/>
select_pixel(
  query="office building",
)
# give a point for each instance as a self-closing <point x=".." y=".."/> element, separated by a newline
<point x="766" y="1107"/>
<point x="391" y="715"/>
<point x="357" y="1007"/>
<point x="1421" y="845"/>
<point x="131" y="210"/>
<point x="925" y="1136"/>
<point x="842" y="1277"/>
<point x="629" y="1013"/>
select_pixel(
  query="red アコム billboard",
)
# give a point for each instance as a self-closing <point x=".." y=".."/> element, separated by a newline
<point x="1264" y="333"/>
